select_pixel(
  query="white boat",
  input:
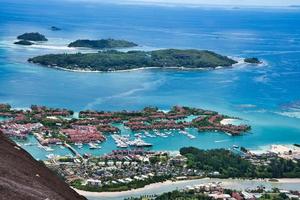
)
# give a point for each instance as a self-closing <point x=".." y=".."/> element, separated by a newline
<point x="51" y="156"/>
<point x="137" y="135"/>
<point x="191" y="136"/>
<point x="93" y="146"/>
<point x="149" y="135"/>
<point x="28" y="144"/>
<point x="139" y="143"/>
<point x="48" y="149"/>
<point x="18" y="144"/>
<point x="122" y="145"/>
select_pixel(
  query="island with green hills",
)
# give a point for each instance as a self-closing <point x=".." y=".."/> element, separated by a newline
<point x="55" y="28"/>
<point x="102" y="44"/>
<point x="112" y="60"/>
<point x="24" y="42"/>
<point x="32" y="37"/>
<point x="28" y="39"/>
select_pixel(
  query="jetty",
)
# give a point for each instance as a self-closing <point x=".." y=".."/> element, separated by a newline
<point x="73" y="150"/>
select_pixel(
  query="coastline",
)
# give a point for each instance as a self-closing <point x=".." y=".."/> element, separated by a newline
<point x="240" y="61"/>
<point x="181" y="184"/>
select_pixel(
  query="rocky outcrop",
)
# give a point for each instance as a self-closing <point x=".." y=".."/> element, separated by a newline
<point x="24" y="178"/>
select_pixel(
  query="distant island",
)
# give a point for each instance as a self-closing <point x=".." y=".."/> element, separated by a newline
<point x="24" y="42"/>
<point x="32" y="37"/>
<point x="102" y="44"/>
<point x="112" y="60"/>
<point x="54" y="28"/>
<point x="252" y="60"/>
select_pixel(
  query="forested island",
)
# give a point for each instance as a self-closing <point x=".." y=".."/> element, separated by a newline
<point x="112" y="60"/>
<point x="32" y="37"/>
<point x="102" y="44"/>
<point x="24" y="42"/>
<point x="54" y="28"/>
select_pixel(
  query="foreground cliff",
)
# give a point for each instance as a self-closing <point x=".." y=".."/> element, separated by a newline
<point x="22" y="177"/>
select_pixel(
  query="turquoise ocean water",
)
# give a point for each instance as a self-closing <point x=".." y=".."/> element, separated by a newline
<point x="267" y="96"/>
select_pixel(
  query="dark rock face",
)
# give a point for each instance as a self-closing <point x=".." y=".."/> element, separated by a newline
<point x="252" y="60"/>
<point x="24" y="178"/>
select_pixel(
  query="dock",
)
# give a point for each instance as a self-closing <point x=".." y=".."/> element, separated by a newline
<point x="73" y="150"/>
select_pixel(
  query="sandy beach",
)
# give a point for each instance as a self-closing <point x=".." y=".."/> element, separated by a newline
<point x="158" y="188"/>
<point x="228" y="121"/>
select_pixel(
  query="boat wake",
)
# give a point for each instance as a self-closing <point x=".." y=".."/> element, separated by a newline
<point x="290" y="110"/>
<point x="145" y="87"/>
<point x="220" y="141"/>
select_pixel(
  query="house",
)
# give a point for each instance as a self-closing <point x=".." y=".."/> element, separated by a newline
<point x="93" y="182"/>
<point x="219" y="196"/>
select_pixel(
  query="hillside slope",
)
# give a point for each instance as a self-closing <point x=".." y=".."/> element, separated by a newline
<point x="24" y="178"/>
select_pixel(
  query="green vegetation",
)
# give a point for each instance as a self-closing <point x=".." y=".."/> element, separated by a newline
<point x="102" y="44"/>
<point x="274" y="196"/>
<point x="66" y="159"/>
<point x="175" y="195"/>
<point x="243" y="149"/>
<point x="24" y="42"/>
<point x="191" y="195"/>
<point x="5" y="107"/>
<point x="252" y="60"/>
<point x="116" y="187"/>
<point x="114" y="60"/>
<point x="32" y="37"/>
<point x="229" y="164"/>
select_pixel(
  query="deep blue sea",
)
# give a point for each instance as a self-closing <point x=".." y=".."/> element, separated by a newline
<point x="267" y="96"/>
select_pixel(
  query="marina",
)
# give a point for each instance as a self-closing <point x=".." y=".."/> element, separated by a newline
<point x="233" y="92"/>
<point x="92" y="131"/>
<point x="120" y="102"/>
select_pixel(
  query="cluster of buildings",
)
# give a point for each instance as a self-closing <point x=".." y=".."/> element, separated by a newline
<point x="213" y="124"/>
<point x="215" y="190"/>
<point x="19" y="130"/>
<point x="83" y="134"/>
<point x="57" y="126"/>
<point x="159" y="125"/>
<point x="123" y="166"/>
<point x="291" y="152"/>
<point x="288" y="152"/>
<point x="45" y="111"/>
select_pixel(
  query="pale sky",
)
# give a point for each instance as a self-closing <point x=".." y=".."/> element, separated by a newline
<point x="204" y="2"/>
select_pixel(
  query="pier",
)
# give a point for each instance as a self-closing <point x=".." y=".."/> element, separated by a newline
<point x="73" y="150"/>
